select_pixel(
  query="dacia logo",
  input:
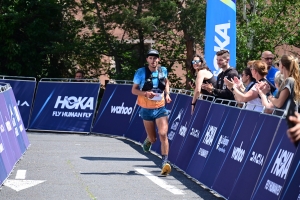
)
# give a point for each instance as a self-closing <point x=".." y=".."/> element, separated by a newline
<point x="221" y="30"/>
<point x="73" y="102"/>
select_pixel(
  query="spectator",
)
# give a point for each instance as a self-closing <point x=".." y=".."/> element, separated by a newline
<point x="259" y="71"/>
<point x="246" y="82"/>
<point x="279" y="78"/>
<point x="203" y="75"/>
<point x="289" y="67"/>
<point x="250" y="63"/>
<point x="221" y="91"/>
<point x="268" y="57"/>
<point x="79" y="75"/>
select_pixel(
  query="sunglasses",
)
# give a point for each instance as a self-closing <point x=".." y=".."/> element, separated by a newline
<point x="196" y="61"/>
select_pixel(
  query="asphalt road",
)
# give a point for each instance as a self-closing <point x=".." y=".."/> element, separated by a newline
<point x="76" y="166"/>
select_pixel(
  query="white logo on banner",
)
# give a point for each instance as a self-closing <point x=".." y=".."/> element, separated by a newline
<point x="209" y="136"/>
<point x="16" y="131"/>
<point x="71" y="114"/>
<point x="195" y="133"/>
<point x="17" y="113"/>
<point x="282" y="163"/>
<point x="222" y="143"/>
<point x="221" y="30"/>
<point x="1" y="148"/>
<point x="8" y="125"/>
<point x="257" y="158"/>
<point x="238" y="153"/>
<point x="182" y="130"/>
<point x="21" y="127"/>
<point x="171" y="135"/>
<point x="121" y="110"/>
<point x="177" y="120"/>
<point x="203" y="152"/>
<point x="2" y="128"/>
<point x="75" y="103"/>
<point x="273" y="187"/>
<point x="22" y="104"/>
<point x="298" y="197"/>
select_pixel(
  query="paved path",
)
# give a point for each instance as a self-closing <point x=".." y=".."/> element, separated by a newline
<point x="75" y="166"/>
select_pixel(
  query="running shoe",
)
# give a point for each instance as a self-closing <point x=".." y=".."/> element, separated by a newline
<point x="166" y="169"/>
<point x="146" y="145"/>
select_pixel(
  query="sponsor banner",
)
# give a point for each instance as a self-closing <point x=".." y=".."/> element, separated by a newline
<point x="10" y="139"/>
<point x="235" y="158"/>
<point x="15" y="119"/>
<point x="291" y="186"/>
<point x="193" y="134"/>
<point x="216" y="117"/>
<point x="221" y="148"/>
<point x="220" y="32"/>
<point x="64" y="106"/>
<point x="169" y="106"/>
<point x="275" y="171"/>
<point x="116" y="110"/>
<point x="23" y="91"/>
<point x="180" y="131"/>
<point x="260" y="143"/>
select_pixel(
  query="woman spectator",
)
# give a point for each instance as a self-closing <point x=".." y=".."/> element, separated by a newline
<point x="288" y="66"/>
<point x="279" y="78"/>
<point x="203" y="75"/>
<point x="246" y="82"/>
<point x="259" y="70"/>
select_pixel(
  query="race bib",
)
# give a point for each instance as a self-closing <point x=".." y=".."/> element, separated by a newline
<point x="158" y="95"/>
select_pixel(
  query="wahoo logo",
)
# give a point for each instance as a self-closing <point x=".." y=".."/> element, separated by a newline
<point x="23" y="103"/>
<point x="75" y="103"/>
<point x="210" y="135"/>
<point x="238" y="153"/>
<point x="221" y="31"/>
<point x="121" y="110"/>
<point x="257" y="158"/>
<point x="282" y="163"/>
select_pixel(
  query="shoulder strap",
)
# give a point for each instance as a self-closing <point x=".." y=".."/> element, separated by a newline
<point x="147" y="72"/>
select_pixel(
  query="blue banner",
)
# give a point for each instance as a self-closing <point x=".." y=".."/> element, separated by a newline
<point x="220" y="32"/>
<point x="116" y="109"/>
<point x="215" y="119"/>
<point x="260" y="143"/>
<point x="236" y="155"/>
<point x="64" y="106"/>
<point x="194" y="134"/>
<point x="275" y="171"/>
<point x="23" y="91"/>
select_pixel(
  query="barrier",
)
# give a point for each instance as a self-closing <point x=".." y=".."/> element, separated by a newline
<point x="116" y="110"/>
<point x="62" y="106"/>
<point x="23" y="88"/>
<point x="291" y="185"/>
<point x="278" y="162"/>
<point x="260" y="143"/>
<point x="13" y="137"/>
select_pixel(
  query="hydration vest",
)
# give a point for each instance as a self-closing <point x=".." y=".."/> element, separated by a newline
<point x="148" y="85"/>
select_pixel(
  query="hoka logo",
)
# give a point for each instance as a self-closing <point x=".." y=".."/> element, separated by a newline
<point x="121" y="110"/>
<point x="75" y="103"/>
<point x="282" y="163"/>
<point x="23" y="103"/>
<point x="221" y="31"/>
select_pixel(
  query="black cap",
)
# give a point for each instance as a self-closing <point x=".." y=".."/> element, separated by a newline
<point x="153" y="52"/>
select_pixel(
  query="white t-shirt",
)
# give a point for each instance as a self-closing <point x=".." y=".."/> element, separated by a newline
<point x="256" y="103"/>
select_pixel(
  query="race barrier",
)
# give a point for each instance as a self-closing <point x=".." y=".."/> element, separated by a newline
<point x="63" y="106"/>
<point x="13" y="138"/>
<point x="23" y="88"/>
<point x="239" y="153"/>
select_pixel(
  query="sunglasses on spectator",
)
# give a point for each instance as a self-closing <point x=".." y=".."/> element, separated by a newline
<point x="268" y="58"/>
<point x="196" y="61"/>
